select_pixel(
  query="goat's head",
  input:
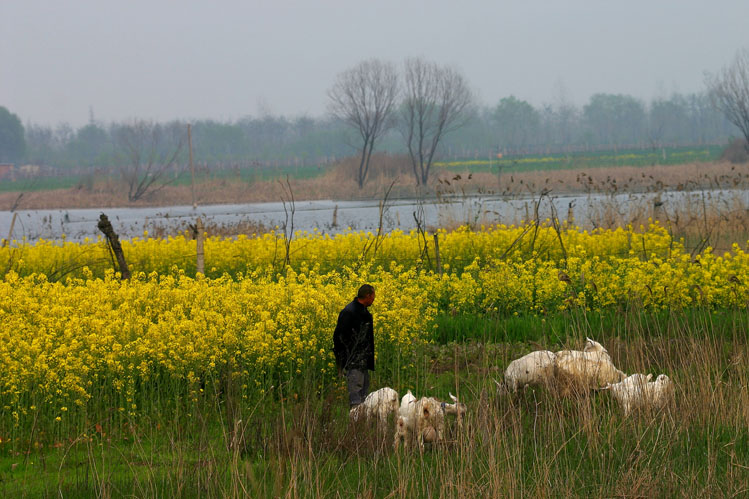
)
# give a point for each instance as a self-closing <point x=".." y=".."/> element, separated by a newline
<point x="426" y="411"/>
<point x="456" y="407"/>
<point x="593" y="346"/>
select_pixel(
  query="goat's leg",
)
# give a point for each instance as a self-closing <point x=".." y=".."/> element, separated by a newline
<point x="400" y="435"/>
<point x="420" y="437"/>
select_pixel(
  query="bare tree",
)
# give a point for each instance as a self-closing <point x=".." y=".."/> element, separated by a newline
<point x="729" y="90"/>
<point x="364" y="97"/>
<point x="437" y="100"/>
<point x="151" y="154"/>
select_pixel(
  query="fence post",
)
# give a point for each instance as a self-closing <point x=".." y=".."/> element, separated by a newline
<point x="10" y="232"/>
<point x="437" y="254"/>
<point x="657" y="207"/>
<point x="200" y="264"/>
<point x="113" y="241"/>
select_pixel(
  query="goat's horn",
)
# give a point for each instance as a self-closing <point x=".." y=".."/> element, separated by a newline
<point x="455" y="399"/>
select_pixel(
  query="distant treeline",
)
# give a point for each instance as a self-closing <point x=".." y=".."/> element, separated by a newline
<point x="511" y="127"/>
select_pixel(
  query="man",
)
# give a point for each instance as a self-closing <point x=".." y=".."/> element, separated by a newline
<point x="353" y="344"/>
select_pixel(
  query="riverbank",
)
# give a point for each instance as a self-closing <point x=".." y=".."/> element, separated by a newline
<point x="339" y="184"/>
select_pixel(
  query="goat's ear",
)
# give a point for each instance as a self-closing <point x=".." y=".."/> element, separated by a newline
<point x="650" y="376"/>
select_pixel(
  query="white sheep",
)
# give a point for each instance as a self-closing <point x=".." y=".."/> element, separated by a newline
<point x="380" y="404"/>
<point x="535" y="368"/>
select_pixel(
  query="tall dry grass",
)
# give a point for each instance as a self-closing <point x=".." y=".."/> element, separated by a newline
<point x="540" y="445"/>
<point x="536" y="444"/>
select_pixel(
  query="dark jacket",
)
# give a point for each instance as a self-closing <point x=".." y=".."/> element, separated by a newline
<point x="353" y="338"/>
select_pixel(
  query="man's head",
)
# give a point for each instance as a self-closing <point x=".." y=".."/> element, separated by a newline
<point x="366" y="295"/>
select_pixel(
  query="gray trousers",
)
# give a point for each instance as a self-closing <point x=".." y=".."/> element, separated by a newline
<point x="357" y="382"/>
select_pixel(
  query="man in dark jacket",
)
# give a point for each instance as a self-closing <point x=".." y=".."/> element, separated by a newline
<point x="353" y="344"/>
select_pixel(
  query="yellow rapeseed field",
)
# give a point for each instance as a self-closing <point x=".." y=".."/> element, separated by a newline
<point x="73" y="336"/>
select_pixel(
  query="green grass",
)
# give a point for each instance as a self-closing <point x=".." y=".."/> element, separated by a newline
<point x="623" y="322"/>
<point x="257" y="174"/>
<point x="532" y="444"/>
<point x="622" y="157"/>
<point x="40" y="184"/>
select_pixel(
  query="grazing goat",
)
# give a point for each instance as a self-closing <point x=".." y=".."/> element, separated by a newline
<point x="425" y="417"/>
<point x="429" y="414"/>
<point x="379" y="404"/>
<point x="406" y="419"/>
<point x="594" y="346"/>
<point x="535" y="368"/>
<point x="638" y="392"/>
<point x="661" y="391"/>
<point x="629" y="392"/>
<point x="575" y="370"/>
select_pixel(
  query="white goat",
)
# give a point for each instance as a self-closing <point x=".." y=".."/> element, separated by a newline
<point x="638" y="392"/>
<point x="630" y="392"/>
<point x="661" y="391"/>
<point x="406" y="419"/>
<point x="594" y="346"/>
<point x="535" y="368"/>
<point x="584" y="370"/>
<point x="379" y="404"/>
<point x="425" y="417"/>
<point x="429" y="414"/>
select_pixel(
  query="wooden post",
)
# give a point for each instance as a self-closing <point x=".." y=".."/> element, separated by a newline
<point x="200" y="266"/>
<point x="657" y="208"/>
<point x="335" y="216"/>
<point x="192" y="167"/>
<point x="437" y="254"/>
<point x="105" y="226"/>
<point x="10" y="232"/>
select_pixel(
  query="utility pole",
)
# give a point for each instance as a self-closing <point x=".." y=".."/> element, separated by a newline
<point x="192" y="168"/>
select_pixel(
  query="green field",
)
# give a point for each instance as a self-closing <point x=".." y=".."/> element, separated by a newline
<point x="622" y="157"/>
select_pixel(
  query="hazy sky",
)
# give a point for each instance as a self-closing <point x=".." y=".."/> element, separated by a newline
<point x="224" y="60"/>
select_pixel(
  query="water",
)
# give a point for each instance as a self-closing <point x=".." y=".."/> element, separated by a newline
<point x="79" y="224"/>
